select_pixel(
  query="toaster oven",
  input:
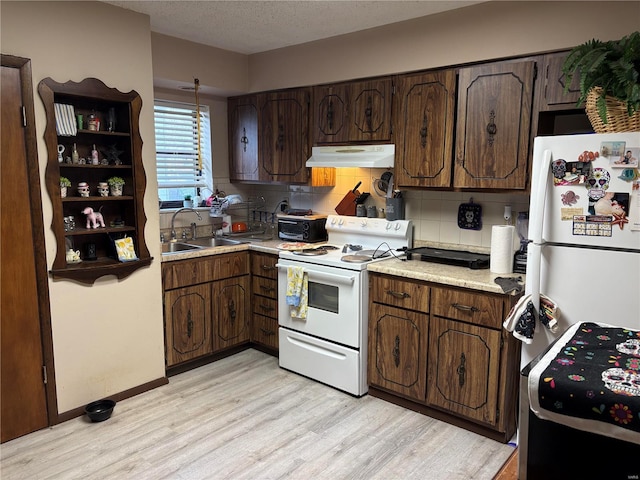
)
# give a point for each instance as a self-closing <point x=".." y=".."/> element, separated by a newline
<point x="309" y="228"/>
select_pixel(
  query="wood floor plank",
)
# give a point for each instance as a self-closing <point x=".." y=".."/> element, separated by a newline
<point x="243" y="417"/>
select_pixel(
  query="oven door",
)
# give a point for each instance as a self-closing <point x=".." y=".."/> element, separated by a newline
<point x="337" y="303"/>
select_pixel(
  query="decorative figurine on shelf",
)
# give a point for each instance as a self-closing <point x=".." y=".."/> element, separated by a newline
<point x="103" y="189"/>
<point x="112" y="154"/>
<point x="83" y="189"/>
<point x="64" y="185"/>
<point x="111" y="120"/>
<point x="93" y="122"/>
<point x="60" y="152"/>
<point x="73" y="256"/>
<point x="115" y="185"/>
<point x="95" y="160"/>
<point x="75" y="158"/>
<point x="93" y="218"/>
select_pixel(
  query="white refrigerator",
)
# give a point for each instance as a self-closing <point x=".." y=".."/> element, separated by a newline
<point x="584" y="231"/>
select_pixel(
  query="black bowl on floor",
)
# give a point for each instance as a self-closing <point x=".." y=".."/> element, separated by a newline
<point x="100" y="410"/>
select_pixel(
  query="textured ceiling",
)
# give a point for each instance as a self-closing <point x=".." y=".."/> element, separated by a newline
<point x="248" y="27"/>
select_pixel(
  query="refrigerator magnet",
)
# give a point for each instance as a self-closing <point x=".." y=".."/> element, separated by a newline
<point x="570" y="173"/>
<point x="629" y="158"/>
<point x="569" y="198"/>
<point x="597" y="183"/>
<point x="612" y="149"/>
<point x="628" y="174"/>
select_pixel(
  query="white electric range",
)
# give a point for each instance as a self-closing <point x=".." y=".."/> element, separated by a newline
<point x="330" y="344"/>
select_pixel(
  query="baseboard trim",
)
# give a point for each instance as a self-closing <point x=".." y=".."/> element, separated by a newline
<point x="132" y="392"/>
<point x="438" y="415"/>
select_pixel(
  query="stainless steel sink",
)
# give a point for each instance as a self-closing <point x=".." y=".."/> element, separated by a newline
<point x="215" y="242"/>
<point x="175" y="247"/>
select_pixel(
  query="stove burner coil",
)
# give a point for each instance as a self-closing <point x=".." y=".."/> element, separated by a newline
<point x="356" y="258"/>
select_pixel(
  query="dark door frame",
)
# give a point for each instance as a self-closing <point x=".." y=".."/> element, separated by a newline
<point x="37" y="222"/>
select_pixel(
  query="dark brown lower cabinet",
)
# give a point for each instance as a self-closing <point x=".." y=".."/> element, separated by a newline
<point x="398" y="349"/>
<point x="442" y="351"/>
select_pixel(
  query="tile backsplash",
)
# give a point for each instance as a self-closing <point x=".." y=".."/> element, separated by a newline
<point x="434" y="213"/>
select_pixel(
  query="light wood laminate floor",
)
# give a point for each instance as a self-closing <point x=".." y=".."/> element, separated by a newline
<point x="245" y="418"/>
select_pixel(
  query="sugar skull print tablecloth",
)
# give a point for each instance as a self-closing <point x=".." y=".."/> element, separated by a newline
<point x="590" y="380"/>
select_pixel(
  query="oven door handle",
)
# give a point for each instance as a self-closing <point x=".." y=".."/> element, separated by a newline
<point x="329" y="277"/>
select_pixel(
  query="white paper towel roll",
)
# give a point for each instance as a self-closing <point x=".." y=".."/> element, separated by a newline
<point x="502" y="249"/>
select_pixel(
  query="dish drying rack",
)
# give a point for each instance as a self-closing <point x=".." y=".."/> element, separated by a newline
<point x="252" y="212"/>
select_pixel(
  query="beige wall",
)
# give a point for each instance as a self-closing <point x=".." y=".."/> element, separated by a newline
<point x="107" y="337"/>
<point x="485" y="31"/>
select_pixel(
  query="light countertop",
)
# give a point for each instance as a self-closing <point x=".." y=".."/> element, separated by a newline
<point x="463" y="277"/>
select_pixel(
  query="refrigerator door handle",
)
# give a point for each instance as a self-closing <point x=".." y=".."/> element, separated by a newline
<point x="534" y="266"/>
<point x="540" y="185"/>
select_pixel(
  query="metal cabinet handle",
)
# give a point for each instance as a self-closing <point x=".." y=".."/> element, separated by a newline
<point x="264" y="288"/>
<point x="368" y="113"/>
<point x="232" y="310"/>
<point x="268" y="267"/>
<point x="462" y="370"/>
<point x="492" y="129"/>
<point x="244" y="140"/>
<point x="266" y="308"/>
<point x="398" y="294"/>
<point x="189" y="324"/>
<point x="423" y="131"/>
<point x="396" y="351"/>
<point x="267" y="332"/>
<point x="465" y="308"/>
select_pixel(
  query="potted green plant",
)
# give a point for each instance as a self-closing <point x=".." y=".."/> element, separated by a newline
<point x="65" y="183"/>
<point x="187" y="202"/>
<point x="609" y="75"/>
<point x="115" y="185"/>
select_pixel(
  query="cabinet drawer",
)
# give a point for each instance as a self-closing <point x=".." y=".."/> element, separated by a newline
<point x="264" y="330"/>
<point x="393" y="291"/>
<point x="265" y="306"/>
<point x="204" y="269"/>
<point x="477" y="308"/>
<point x="264" y="265"/>
<point x="264" y="287"/>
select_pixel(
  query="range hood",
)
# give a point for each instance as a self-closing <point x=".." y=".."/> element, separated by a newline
<point x="367" y="156"/>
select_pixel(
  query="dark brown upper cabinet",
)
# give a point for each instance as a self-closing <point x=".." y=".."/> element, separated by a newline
<point x="243" y="138"/>
<point x="352" y="112"/>
<point x="493" y="125"/>
<point x="284" y="136"/>
<point x="423" y="113"/>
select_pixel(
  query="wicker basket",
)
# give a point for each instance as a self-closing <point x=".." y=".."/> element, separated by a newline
<point x="618" y="119"/>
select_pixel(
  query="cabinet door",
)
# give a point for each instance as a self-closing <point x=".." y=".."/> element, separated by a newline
<point x="464" y="368"/>
<point x="187" y="323"/>
<point x="553" y="83"/>
<point x="370" y="111"/>
<point x="284" y="136"/>
<point x="398" y="350"/>
<point x="330" y="114"/>
<point x="243" y="138"/>
<point x="231" y="312"/>
<point x="423" y="128"/>
<point x="493" y="126"/>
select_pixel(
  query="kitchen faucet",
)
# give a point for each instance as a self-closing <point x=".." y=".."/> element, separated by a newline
<point x="184" y="209"/>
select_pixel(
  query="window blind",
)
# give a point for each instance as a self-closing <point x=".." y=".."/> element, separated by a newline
<point x="176" y="131"/>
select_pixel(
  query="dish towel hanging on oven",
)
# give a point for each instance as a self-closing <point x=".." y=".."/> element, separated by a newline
<point x="297" y="292"/>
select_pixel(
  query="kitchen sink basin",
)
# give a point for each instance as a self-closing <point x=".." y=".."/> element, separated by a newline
<point x="175" y="247"/>
<point x="215" y="242"/>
